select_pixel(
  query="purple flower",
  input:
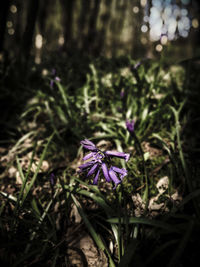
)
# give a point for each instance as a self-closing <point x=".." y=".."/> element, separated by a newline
<point x="89" y="156"/>
<point x="89" y="145"/>
<point x="93" y="169"/>
<point x="98" y="162"/>
<point x="114" y="178"/>
<point x="130" y="125"/>
<point x="105" y="172"/>
<point x="57" y="79"/>
<point x="52" y="179"/>
<point x="54" y="78"/>
<point x="96" y="177"/>
<point x="117" y="154"/>
<point x="51" y="83"/>
<point x="122" y="93"/>
<point x="137" y="64"/>
<point x="87" y="165"/>
<point x="122" y="171"/>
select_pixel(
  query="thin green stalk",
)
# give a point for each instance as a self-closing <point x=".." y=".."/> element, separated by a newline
<point x="140" y="150"/>
<point x="41" y="220"/>
<point x="64" y="97"/>
<point x="118" y="198"/>
<point x="52" y="119"/>
<point x="96" y="85"/>
<point x="28" y="187"/>
<point x="21" y="140"/>
<point x="26" y="176"/>
<point x="144" y="221"/>
<point x="86" y="97"/>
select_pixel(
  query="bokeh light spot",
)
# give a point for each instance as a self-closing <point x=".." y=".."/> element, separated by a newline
<point x="159" y="47"/>
<point x="146" y="18"/>
<point x="13" y="8"/>
<point x="61" y="40"/>
<point x="195" y="23"/>
<point x="45" y="72"/>
<point x="11" y="31"/>
<point x="38" y="41"/>
<point x="164" y="40"/>
<point x="9" y="24"/>
<point x="143" y="40"/>
<point x="135" y="9"/>
<point x="143" y="2"/>
<point x="144" y="28"/>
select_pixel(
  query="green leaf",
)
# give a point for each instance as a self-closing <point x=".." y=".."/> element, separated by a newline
<point x="28" y="187"/>
<point x="154" y="223"/>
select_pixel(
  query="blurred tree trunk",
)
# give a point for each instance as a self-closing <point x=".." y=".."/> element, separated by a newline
<point x="19" y="25"/>
<point x="5" y="4"/>
<point x="113" y="28"/>
<point x="121" y="18"/>
<point x="85" y="7"/>
<point x="42" y="16"/>
<point x="105" y="19"/>
<point x="68" y="6"/>
<point x="27" y="39"/>
<point x="137" y="22"/>
<point x="92" y="27"/>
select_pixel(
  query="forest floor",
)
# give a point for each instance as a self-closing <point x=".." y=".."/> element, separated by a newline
<point x="51" y="213"/>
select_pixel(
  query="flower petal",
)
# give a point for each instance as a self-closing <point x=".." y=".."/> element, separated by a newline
<point x="87" y="142"/>
<point x="105" y="172"/>
<point x="122" y="172"/>
<point x="92" y="170"/>
<point x="91" y="148"/>
<point x="57" y="79"/>
<point x="52" y="179"/>
<point x="98" y="157"/>
<point x="96" y="177"/>
<point x="113" y="176"/>
<point x="86" y="165"/>
<point x="89" y="155"/>
<point x="122" y="155"/>
<point x="130" y="125"/>
<point x="88" y="145"/>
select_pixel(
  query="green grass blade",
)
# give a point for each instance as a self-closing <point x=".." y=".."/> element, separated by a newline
<point x="49" y="112"/>
<point x="41" y="219"/>
<point x="21" y="140"/>
<point x="92" y="231"/>
<point x="28" y="188"/>
<point x="8" y="196"/>
<point x="100" y="201"/>
<point x="24" y="178"/>
<point x="154" y="223"/>
<point x="96" y="84"/>
<point x="21" y="174"/>
<point x="64" y="97"/>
